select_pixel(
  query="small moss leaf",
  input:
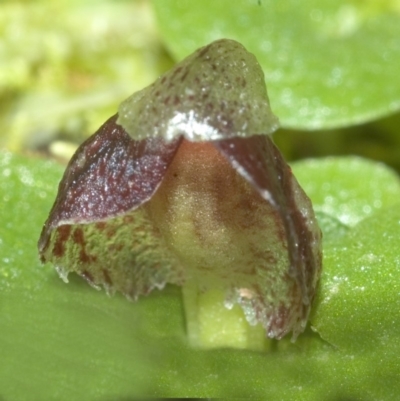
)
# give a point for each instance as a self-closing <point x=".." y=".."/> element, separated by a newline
<point x="353" y="188"/>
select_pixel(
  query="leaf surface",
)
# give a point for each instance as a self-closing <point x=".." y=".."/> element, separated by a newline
<point x="70" y="341"/>
<point x="327" y="64"/>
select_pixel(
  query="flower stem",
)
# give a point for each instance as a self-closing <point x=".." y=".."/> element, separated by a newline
<point x="210" y="324"/>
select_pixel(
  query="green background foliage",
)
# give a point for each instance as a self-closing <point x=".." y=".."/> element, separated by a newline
<point x="327" y="64"/>
<point x="314" y="54"/>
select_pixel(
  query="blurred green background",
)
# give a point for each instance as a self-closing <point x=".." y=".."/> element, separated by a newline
<point x="331" y="67"/>
<point x="332" y="72"/>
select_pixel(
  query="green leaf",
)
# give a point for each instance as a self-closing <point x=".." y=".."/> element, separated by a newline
<point x="72" y="342"/>
<point x="63" y="341"/>
<point x="348" y="189"/>
<point x="327" y="63"/>
<point x="359" y="300"/>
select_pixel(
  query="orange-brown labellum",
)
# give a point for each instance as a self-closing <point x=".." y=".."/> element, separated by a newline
<point x="185" y="184"/>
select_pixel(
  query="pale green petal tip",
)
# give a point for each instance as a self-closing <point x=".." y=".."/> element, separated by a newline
<point x="216" y="93"/>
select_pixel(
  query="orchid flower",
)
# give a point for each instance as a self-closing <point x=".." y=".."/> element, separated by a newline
<point x="185" y="186"/>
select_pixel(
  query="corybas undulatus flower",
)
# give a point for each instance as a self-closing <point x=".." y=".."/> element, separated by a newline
<point x="184" y="185"/>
